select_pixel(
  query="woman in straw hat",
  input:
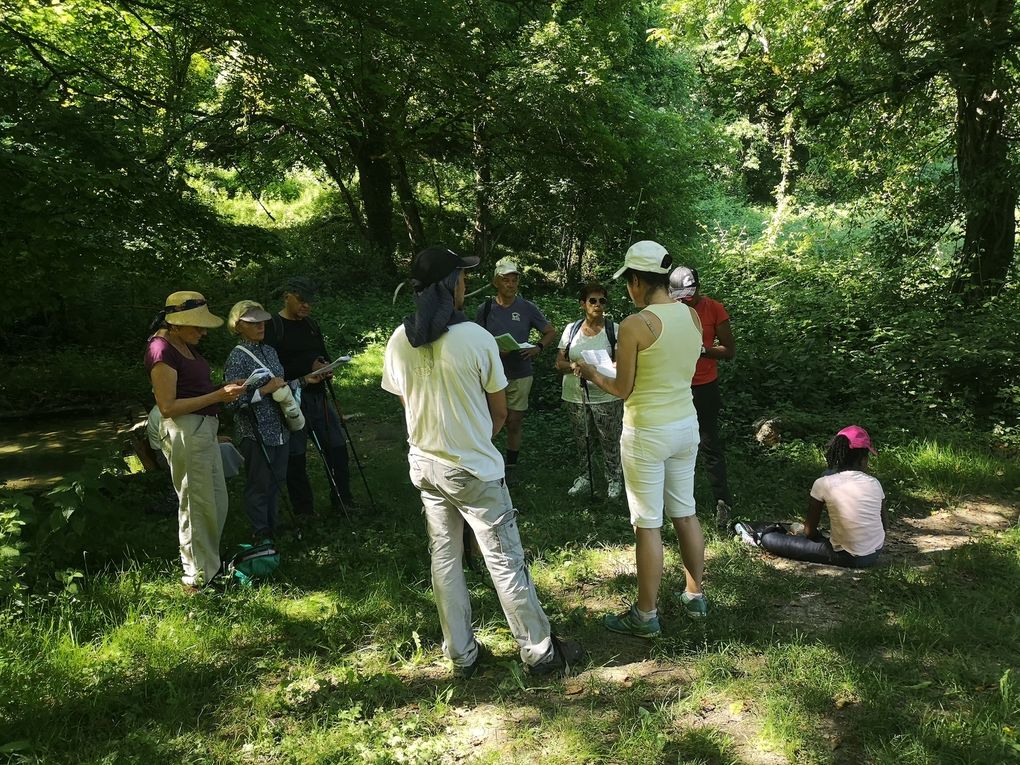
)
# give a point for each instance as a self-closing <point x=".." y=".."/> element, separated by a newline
<point x="189" y="402"/>
<point x="656" y="353"/>
<point x="262" y="434"/>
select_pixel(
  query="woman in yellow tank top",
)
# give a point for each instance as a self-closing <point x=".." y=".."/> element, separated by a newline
<point x="656" y="353"/>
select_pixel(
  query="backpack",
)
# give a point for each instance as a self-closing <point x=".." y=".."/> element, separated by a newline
<point x="252" y="563"/>
<point x="610" y="335"/>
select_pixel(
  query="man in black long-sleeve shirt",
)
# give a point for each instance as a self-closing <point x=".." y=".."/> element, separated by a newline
<point x="302" y="349"/>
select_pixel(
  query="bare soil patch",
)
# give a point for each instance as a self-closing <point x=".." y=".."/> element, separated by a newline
<point x="948" y="528"/>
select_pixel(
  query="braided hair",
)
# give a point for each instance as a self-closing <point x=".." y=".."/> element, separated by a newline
<point x="839" y="456"/>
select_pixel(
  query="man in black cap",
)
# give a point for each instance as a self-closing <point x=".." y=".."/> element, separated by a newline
<point x="448" y="375"/>
<point x="298" y="341"/>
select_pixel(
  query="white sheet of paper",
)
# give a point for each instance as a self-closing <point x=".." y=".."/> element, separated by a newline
<point x="259" y="374"/>
<point x="333" y="365"/>
<point x="601" y="360"/>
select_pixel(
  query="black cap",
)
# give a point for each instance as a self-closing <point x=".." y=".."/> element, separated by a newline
<point x="301" y="286"/>
<point x="435" y="263"/>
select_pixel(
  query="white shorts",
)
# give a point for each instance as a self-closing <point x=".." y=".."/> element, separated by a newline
<point x="658" y="471"/>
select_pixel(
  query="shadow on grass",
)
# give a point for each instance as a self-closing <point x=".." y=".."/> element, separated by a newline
<point x="890" y="669"/>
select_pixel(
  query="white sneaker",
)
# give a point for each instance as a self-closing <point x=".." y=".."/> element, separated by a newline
<point x="615" y="489"/>
<point x="744" y="534"/>
<point x="581" y="485"/>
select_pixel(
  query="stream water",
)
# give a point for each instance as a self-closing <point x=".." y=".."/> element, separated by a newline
<point x="39" y="453"/>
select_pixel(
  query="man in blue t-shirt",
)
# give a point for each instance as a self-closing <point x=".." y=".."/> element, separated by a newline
<point x="509" y="313"/>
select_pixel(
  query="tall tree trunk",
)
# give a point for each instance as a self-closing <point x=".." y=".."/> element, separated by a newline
<point x="988" y="194"/>
<point x="375" y="180"/>
<point x="582" y="245"/>
<point x="977" y="37"/>
<point x="483" y="179"/>
<point x="566" y="252"/>
<point x="787" y="165"/>
<point x="408" y="205"/>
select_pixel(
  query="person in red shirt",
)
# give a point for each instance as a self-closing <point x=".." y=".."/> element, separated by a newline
<point x="685" y="286"/>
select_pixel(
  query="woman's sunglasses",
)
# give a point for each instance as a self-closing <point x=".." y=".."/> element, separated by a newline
<point x="598" y="300"/>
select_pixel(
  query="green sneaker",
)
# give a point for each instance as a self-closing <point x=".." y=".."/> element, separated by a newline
<point x="629" y="623"/>
<point x="696" y="606"/>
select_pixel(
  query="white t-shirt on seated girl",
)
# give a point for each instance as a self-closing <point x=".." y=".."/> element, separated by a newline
<point x="571" y="384"/>
<point x="854" y="502"/>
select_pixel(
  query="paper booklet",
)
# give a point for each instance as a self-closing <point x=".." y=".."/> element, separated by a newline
<point x="506" y="342"/>
<point x="330" y="367"/>
<point x="602" y="362"/>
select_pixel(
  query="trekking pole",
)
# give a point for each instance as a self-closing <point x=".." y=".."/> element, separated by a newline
<point x="350" y="441"/>
<point x="329" y="473"/>
<point x="587" y="438"/>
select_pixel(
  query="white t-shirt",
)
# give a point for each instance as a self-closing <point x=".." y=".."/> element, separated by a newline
<point x="571" y="384"/>
<point x="854" y="502"/>
<point x="443" y="385"/>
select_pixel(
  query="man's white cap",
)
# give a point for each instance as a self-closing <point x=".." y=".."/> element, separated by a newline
<point x="506" y="266"/>
<point x="647" y="256"/>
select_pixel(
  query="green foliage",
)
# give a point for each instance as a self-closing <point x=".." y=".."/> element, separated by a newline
<point x="11" y="544"/>
<point x="828" y="327"/>
<point x="42" y="533"/>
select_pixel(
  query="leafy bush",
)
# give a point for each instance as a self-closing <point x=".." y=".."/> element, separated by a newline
<point x="11" y="544"/>
<point x="41" y="534"/>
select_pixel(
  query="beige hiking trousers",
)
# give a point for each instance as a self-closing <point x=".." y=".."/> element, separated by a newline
<point x="196" y="468"/>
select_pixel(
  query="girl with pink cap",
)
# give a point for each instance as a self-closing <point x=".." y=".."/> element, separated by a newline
<point x="854" y="501"/>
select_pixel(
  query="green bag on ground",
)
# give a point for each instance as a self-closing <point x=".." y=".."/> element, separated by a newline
<point x="252" y="563"/>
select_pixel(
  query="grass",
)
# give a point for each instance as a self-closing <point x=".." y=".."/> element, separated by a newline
<point x="338" y="659"/>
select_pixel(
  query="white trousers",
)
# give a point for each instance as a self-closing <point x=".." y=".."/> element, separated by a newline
<point x="196" y="468"/>
<point x="450" y="497"/>
<point x="658" y="469"/>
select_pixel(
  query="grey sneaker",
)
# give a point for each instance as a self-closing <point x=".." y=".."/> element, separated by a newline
<point x="615" y="490"/>
<point x="722" y="515"/>
<point x="581" y="485"/>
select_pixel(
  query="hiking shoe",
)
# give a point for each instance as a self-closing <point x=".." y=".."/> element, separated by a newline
<point x="467" y="671"/>
<point x="745" y="534"/>
<point x="567" y="654"/>
<point x="695" y="606"/>
<point x="615" y="490"/>
<point x="629" y="623"/>
<point x="722" y="515"/>
<point x="581" y="485"/>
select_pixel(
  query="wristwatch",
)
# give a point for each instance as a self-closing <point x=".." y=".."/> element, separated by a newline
<point x="540" y="346"/>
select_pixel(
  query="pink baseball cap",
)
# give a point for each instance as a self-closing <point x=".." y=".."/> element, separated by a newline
<point x="858" y="438"/>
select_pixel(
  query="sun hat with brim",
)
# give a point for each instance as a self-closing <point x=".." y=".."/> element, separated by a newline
<point x="683" y="283"/>
<point x="435" y="263"/>
<point x="189" y="309"/>
<point x="247" y="311"/>
<point x="858" y="438"/>
<point x="648" y="256"/>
